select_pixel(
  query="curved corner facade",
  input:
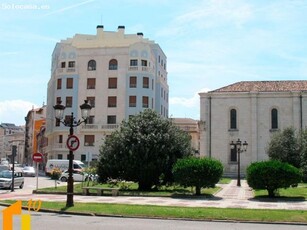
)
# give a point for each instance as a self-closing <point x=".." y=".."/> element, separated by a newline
<point x="119" y="74"/>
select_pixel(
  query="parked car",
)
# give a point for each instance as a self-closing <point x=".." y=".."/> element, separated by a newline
<point x="28" y="171"/>
<point x="78" y="175"/>
<point x="6" y="179"/>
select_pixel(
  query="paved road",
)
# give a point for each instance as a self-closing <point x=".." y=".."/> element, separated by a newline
<point x="51" y="221"/>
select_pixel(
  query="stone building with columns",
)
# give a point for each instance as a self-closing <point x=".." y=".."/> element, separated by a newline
<point x="250" y="111"/>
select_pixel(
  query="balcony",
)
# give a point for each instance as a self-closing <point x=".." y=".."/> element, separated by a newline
<point x="100" y="127"/>
<point x="65" y="70"/>
<point x="142" y="68"/>
<point x="133" y="68"/>
<point x="56" y="146"/>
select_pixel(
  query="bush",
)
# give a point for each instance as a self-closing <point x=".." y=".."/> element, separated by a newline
<point x="304" y="172"/>
<point x="198" y="172"/>
<point x="272" y="175"/>
<point x="56" y="173"/>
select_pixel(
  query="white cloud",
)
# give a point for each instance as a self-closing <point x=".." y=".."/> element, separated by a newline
<point x="188" y="102"/>
<point x="209" y="14"/>
<point x="69" y="7"/>
<point x="14" y="111"/>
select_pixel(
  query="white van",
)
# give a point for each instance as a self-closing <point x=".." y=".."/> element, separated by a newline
<point x="62" y="164"/>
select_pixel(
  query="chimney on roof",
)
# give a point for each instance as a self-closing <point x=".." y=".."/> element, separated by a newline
<point x="121" y="30"/>
<point x="140" y="34"/>
<point x="99" y="31"/>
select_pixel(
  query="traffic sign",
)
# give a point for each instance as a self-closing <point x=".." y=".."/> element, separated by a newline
<point x="73" y="142"/>
<point x="37" y="157"/>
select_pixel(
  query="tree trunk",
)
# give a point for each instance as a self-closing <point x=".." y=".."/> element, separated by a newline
<point x="144" y="186"/>
<point x="271" y="193"/>
<point x="197" y="190"/>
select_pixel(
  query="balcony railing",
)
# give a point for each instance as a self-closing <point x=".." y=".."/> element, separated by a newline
<point x="101" y="127"/>
<point x="65" y="70"/>
<point x="55" y="146"/>
<point x="142" y="68"/>
<point x="133" y="68"/>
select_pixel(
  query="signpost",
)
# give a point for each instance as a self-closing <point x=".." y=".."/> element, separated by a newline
<point x="37" y="157"/>
<point x="73" y="143"/>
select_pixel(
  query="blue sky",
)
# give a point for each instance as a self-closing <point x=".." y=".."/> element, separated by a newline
<point x="209" y="44"/>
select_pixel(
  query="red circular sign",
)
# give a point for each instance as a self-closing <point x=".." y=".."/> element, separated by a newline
<point x="37" y="157"/>
<point x="73" y="142"/>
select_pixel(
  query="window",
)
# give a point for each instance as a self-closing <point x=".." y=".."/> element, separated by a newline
<point x="133" y="83"/>
<point x="69" y="83"/>
<point x="111" y="119"/>
<point x="91" y="120"/>
<point x="233" y="154"/>
<point x="60" y="156"/>
<point x="145" y="82"/>
<point x="68" y="102"/>
<point x="113" y="64"/>
<point x="59" y="83"/>
<point x="60" y="138"/>
<point x="63" y="64"/>
<point x="133" y="62"/>
<point x="71" y="64"/>
<point x="144" y="63"/>
<point x="58" y="100"/>
<point x="132" y="101"/>
<point x="91" y="65"/>
<point x="233" y="119"/>
<point x="145" y="102"/>
<point x="83" y="157"/>
<point x="89" y="140"/>
<point x="91" y="83"/>
<point x="112" y="83"/>
<point x="91" y="101"/>
<point x="67" y="119"/>
<point x="274" y="119"/>
<point x="111" y="101"/>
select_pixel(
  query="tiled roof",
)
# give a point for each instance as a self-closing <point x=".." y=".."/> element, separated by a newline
<point x="264" y="86"/>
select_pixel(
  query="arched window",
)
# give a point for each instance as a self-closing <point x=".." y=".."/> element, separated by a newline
<point x="113" y="64"/>
<point x="274" y="119"/>
<point x="91" y="65"/>
<point x="233" y="119"/>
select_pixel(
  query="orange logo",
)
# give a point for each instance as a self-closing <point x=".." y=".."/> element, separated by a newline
<point x="15" y="209"/>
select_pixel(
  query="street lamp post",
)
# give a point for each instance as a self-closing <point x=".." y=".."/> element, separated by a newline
<point x="240" y="148"/>
<point x="71" y="123"/>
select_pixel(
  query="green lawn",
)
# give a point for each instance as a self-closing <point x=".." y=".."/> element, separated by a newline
<point x="130" y="189"/>
<point x="180" y="212"/>
<point x="299" y="192"/>
<point x="194" y="213"/>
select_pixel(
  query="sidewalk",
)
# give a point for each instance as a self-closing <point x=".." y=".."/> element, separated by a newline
<point x="230" y="196"/>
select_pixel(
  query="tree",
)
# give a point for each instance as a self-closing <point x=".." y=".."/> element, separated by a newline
<point x="272" y="175"/>
<point x="284" y="146"/>
<point x="198" y="172"/>
<point x="143" y="150"/>
<point x="303" y="153"/>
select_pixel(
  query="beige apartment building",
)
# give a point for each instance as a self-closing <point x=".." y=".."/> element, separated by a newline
<point x="12" y="135"/>
<point x="192" y="127"/>
<point x="119" y="74"/>
<point x="251" y="111"/>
